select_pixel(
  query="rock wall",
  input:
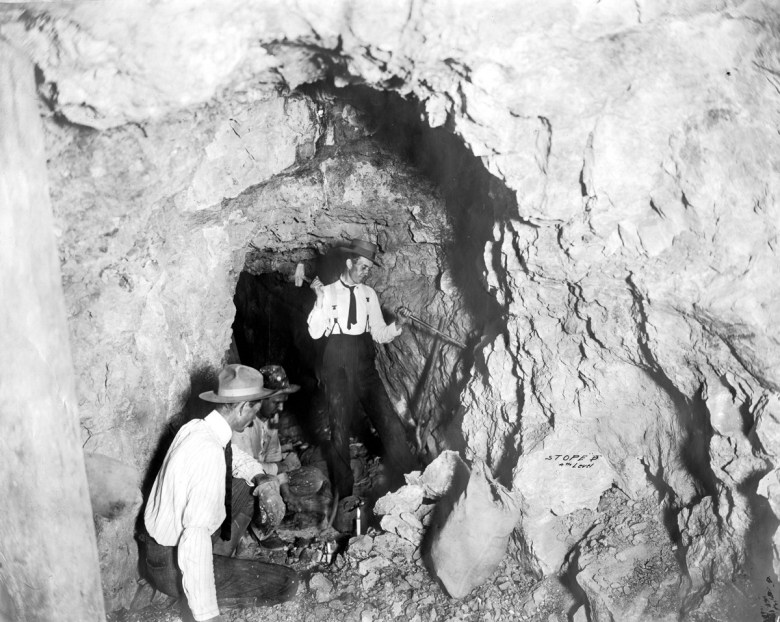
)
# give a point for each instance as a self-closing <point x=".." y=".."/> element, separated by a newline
<point x="149" y="272"/>
<point x="155" y="222"/>
<point x="633" y="268"/>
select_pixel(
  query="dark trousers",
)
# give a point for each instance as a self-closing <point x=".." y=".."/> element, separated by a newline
<point x="351" y="380"/>
<point x="162" y="569"/>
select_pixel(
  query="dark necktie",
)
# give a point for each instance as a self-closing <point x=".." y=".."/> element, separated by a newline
<point x="352" y="316"/>
<point x="224" y="532"/>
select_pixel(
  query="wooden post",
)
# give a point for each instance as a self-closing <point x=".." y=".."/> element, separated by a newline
<point x="48" y="555"/>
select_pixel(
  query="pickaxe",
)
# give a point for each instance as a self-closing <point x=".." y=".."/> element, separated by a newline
<point x="403" y="312"/>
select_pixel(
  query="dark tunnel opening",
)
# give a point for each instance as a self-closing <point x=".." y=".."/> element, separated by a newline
<point x="385" y="128"/>
<point x="270" y="329"/>
<point x="475" y="200"/>
<point x="424" y="375"/>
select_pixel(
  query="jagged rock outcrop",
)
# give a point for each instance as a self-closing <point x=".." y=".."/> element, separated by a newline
<point x="632" y="253"/>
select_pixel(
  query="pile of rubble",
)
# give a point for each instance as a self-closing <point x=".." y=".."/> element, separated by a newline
<point x="384" y="573"/>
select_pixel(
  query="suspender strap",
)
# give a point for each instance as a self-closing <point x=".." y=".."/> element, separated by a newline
<point x="335" y="317"/>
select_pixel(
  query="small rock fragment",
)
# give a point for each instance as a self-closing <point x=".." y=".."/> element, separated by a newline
<point x="372" y="564"/>
<point x="360" y="546"/>
<point x="406" y="499"/>
<point x="322" y="587"/>
<point x="370" y="580"/>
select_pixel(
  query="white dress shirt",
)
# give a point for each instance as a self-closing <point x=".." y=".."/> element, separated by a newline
<point x="187" y="504"/>
<point x="331" y="312"/>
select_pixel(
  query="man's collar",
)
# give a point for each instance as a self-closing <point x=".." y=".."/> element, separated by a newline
<point x="344" y="280"/>
<point x="219" y="426"/>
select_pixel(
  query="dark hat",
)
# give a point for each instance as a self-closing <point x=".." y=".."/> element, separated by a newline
<point x="276" y="380"/>
<point x="238" y="383"/>
<point x="362" y="248"/>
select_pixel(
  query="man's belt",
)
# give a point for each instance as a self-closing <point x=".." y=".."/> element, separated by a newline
<point x="363" y="334"/>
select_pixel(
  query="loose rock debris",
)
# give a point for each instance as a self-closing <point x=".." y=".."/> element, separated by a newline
<point x="373" y="577"/>
<point x="378" y="575"/>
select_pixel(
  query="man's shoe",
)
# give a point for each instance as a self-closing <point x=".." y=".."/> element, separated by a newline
<point x="273" y="543"/>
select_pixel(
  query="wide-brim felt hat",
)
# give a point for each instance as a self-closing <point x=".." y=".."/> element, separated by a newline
<point x="238" y="383"/>
<point x="369" y="250"/>
<point x="276" y="380"/>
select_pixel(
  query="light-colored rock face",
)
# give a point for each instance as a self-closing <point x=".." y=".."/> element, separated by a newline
<point x="629" y="240"/>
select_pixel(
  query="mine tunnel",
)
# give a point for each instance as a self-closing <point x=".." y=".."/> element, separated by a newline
<point x="569" y="214"/>
<point x="437" y="276"/>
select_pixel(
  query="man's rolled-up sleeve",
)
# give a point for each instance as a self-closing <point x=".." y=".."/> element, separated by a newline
<point x="204" y="512"/>
<point x="380" y="332"/>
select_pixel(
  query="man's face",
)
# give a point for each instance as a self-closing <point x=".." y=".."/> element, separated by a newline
<point x="358" y="269"/>
<point x="246" y="414"/>
<point x="272" y="406"/>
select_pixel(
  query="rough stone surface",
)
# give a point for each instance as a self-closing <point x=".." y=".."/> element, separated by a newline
<point x="439" y="477"/>
<point x="627" y="566"/>
<point x="360" y="546"/>
<point x="114" y="487"/>
<point x="322" y="587"/>
<point x="628" y="237"/>
<point x="409" y="511"/>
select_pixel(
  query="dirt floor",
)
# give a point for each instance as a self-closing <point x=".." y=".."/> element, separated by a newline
<point x="378" y="576"/>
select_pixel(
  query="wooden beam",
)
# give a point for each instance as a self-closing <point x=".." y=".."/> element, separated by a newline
<point x="48" y="555"/>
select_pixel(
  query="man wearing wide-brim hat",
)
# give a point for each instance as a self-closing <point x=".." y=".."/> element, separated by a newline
<point x="194" y="509"/>
<point x="348" y="316"/>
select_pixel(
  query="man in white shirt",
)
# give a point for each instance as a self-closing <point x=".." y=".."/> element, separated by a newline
<point x="188" y="501"/>
<point x="347" y="314"/>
